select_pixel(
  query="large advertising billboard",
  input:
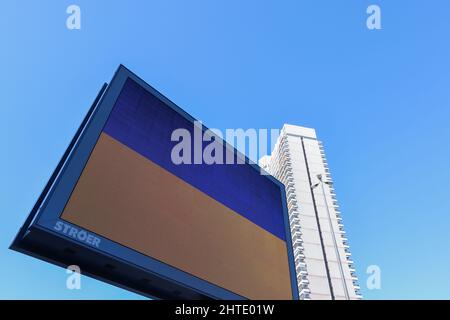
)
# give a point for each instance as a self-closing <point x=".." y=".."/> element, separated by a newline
<point x="122" y="209"/>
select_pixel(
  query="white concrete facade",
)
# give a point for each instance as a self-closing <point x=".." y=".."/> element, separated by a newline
<point x="322" y="256"/>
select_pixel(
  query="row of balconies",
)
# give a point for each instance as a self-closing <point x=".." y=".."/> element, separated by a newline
<point x="301" y="268"/>
<point x="357" y="289"/>
<point x="297" y="241"/>
<point x="344" y="239"/>
<point x="285" y="176"/>
<point x="341" y="227"/>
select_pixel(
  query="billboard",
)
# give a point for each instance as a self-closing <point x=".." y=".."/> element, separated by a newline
<point x="122" y="209"/>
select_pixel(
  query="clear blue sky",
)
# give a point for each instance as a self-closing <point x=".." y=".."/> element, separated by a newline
<point x="380" y="101"/>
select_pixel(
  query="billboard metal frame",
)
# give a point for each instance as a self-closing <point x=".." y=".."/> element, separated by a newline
<point x="113" y="262"/>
